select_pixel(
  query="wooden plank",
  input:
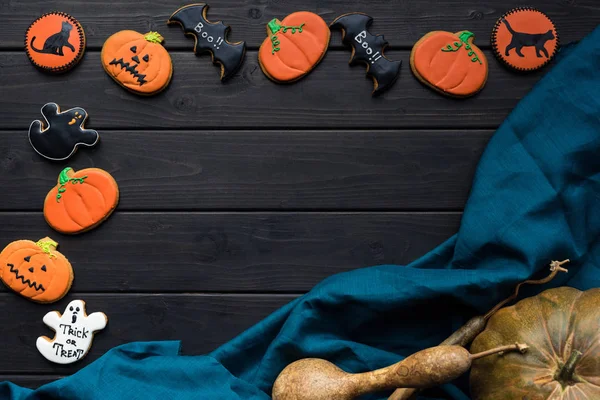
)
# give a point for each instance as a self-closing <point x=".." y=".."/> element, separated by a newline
<point x="402" y="22"/>
<point x="255" y="170"/>
<point x="334" y="95"/>
<point x="202" y="322"/>
<point x="30" y="381"/>
<point x="233" y="252"/>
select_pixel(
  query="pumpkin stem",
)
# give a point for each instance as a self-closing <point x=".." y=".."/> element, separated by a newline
<point x="555" y="268"/>
<point x="63" y="178"/>
<point x="566" y="374"/>
<point x="520" y="347"/>
<point x="47" y="245"/>
<point x="154" y="37"/>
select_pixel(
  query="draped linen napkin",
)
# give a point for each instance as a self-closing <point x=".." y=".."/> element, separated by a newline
<point x="535" y="197"/>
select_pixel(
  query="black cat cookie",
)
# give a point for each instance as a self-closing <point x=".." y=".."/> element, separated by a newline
<point x="525" y="39"/>
<point x="58" y="136"/>
<point x="210" y="37"/>
<point x="55" y="42"/>
<point x="368" y="49"/>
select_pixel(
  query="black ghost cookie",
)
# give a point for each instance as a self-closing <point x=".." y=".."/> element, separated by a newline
<point x="368" y="49"/>
<point x="59" y="135"/>
<point x="210" y="37"/>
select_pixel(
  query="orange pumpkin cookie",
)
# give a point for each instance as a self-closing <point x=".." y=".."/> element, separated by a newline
<point x="138" y="62"/>
<point x="35" y="270"/>
<point x="55" y="42"/>
<point x="525" y="39"/>
<point x="81" y="200"/>
<point x="449" y="63"/>
<point x="294" y="47"/>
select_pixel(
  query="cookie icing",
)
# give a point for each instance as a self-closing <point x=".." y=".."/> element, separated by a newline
<point x="210" y="37"/>
<point x="525" y="39"/>
<point x="36" y="270"/>
<point x="450" y="63"/>
<point x="294" y="46"/>
<point x="81" y="200"/>
<point x="137" y="62"/>
<point x="74" y="333"/>
<point x="368" y="49"/>
<point x="55" y="42"/>
<point x="61" y="133"/>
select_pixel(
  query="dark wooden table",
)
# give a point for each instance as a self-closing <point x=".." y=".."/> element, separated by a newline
<point x="238" y="197"/>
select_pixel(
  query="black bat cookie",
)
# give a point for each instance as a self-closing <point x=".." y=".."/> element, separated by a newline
<point x="58" y="138"/>
<point x="368" y="49"/>
<point x="210" y="37"/>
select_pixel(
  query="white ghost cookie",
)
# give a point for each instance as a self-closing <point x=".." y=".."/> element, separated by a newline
<point x="74" y="333"/>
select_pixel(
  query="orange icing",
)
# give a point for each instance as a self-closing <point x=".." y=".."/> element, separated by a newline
<point x="42" y="29"/>
<point x="452" y="72"/>
<point x="82" y="205"/>
<point x="24" y="256"/>
<point x="526" y="21"/>
<point x="299" y="52"/>
<point x="157" y="71"/>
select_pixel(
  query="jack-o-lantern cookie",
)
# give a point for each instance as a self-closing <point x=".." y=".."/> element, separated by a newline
<point x="81" y="200"/>
<point x="138" y="62"/>
<point x="449" y="63"/>
<point x="36" y="270"/>
<point x="55" y="42"/>
<point x="294" y="46"/>
<point x="525" y="39"/>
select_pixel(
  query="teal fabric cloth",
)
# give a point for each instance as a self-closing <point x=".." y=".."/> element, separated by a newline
<point x="535" y="197"/>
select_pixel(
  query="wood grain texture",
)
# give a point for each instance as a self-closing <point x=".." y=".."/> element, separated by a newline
<point x="202" y="322"/>
<point x="282" y="170"/>
<point x="402" y="22"/>
<point x="334" y="95"/>
<point x="30" y="381"/>
<point x="233" y="252"/>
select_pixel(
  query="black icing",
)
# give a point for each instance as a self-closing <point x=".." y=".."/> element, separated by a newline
<point x="27" y="282"/>
<point x="132" y="69"/>
<point x="62" y="132"/>
<point x="368" y="49"/>
<point x="210" y="37"/>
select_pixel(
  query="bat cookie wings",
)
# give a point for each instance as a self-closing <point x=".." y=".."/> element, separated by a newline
<point x="210" y="37"/>
<point x="58" y="137"/>
<point x="368" y="49"/>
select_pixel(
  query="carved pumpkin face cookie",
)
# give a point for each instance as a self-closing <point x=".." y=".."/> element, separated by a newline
<point x="525" y="39"/>
<point x="35" y="270"/>
<point x="138" y="62"/>
<point x="55" y="42"/>
<point x="294" y="47"/>
<point x="450" y="63"/>
<point x="81" y="200"/>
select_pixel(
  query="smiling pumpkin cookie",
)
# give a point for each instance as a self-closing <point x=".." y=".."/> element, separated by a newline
<point x="35" y="270"/>
<point x="138" y="62"/>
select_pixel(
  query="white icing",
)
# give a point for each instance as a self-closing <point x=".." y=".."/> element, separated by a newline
<point x="74" y="333"/>
<point x="365" y="45"/>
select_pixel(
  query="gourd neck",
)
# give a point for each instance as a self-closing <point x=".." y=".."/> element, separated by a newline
<point x="566" y="375"/>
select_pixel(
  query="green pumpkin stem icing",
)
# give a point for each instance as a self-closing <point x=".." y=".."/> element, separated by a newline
<point x="464" y="37"/>
<point x="47" y="245"/>
<point x="274" y="26"/>
<point x="154" y="37"/>
<point x="63" y="179"/>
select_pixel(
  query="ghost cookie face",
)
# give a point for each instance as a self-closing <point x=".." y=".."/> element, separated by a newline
<point x="59" y="135"/>
<point x="74" y="333"/>
<point x="35" y="270"/>
<point x="81" y="200"/>
<point x="137" y="62"/>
